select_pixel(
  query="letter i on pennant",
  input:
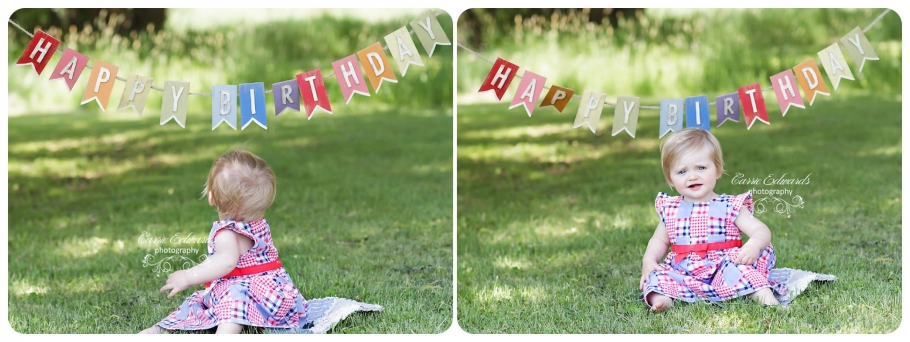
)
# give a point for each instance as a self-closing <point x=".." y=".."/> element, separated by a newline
<point x="286" y="95"/>
<point x="224" y="106"/>
<point x="753" y="104"/>
<point x="499" y="78"/>
<point x="39" y="51"/>
<point x="528" y="91"/>
<point x="350" y="78"/>
<point x="69" y="68"/>
<point x="175" y="99"/>
<point x="312" y="90"/>
<point x="697" y="112"/>
<point x="784" y="85"/>
<point x="100" y="84"/>
<point x="252" y="104"/>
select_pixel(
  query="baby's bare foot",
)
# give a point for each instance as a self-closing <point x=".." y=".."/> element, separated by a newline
<point x="764" y="296"/>
<point x="659" y="302"/>
<point x="154" y="330"/>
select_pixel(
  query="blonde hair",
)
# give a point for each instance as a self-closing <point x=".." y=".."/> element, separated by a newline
<point x="241" y="185"/>
<point x="687" y="140"/>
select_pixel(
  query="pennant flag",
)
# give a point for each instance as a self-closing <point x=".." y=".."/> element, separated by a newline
<point x="589" y="110"/>
<point x="403" y="50"/>
<point x="174" y="99"/>
<point x="69" y="68"/>
<point x="135" y="92"/>
<point x="670" y="113"/>
<point x="376" y="66"/>
<point x="39" y="51"/>
<point x="557" y="97"/>
<point x="100" y="84"/>
<point x="286" y="95"/>
<point x="312" y="90"/>
<point x="347" y="71"/>
<point x="858" y="48"/>
<point x="784" y="85"/>
<point x="499" y="78"/>
<point x="727" y="108"/>
<point x="252" y="104"/>
<point x="697" y="112"/>
<point x="753" y="104"/>
<point x="835" y="64"/>
<point x="429" y="32"/>
<point x="625" y="117"/>
<point x="528" y="91"/>
<point x="224" y="106"/>
<point x="810" y="80"/>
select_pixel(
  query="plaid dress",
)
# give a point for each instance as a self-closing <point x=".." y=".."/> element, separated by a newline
<point x="267" y="299"/>
<point x="716" y="277"/>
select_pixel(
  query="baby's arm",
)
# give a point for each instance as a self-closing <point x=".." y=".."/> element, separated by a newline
<point x="222" y="262"/>
<point x="758" y="233"/>
<point x="657" y="248"/>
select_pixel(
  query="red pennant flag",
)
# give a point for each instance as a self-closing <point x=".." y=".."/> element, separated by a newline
<point x="499" y="78"/>
<point x="753" y="104"/>
<point x="312" y="90"/>
<point x="39" y="51"/>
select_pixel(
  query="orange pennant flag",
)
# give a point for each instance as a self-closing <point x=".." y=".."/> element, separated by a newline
<point x="100" y="84"/>
<point x="376" y="66"/>
<point x="557" y="97"/>
<point x="810" y="80"/>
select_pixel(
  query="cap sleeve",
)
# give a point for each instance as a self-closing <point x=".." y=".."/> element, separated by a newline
<point x="739" y="201"/>
<point x="241" y="228"/>
<point x="660" y="204"/>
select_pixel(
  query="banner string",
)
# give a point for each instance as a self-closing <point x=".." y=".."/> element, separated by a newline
<point x="611" y="104"/>
<point x="269" y="91"/>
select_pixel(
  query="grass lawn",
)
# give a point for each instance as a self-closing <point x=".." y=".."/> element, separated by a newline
<point x="553" y="221"/>
<point x="363" y="211"/>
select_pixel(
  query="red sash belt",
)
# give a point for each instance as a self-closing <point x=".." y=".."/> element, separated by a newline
<point x="702" y="249"/>
<point x="255" y="269"/>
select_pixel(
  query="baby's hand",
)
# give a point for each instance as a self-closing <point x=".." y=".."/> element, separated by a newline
<point x="748" y="255"/>
<point x="176" y="282"/>
<point x="646" y="270"/>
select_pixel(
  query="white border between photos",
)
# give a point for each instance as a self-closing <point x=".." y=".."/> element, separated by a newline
<point x="454" y="8"/>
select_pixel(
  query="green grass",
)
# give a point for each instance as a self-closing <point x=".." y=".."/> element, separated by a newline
<point x="363" y="211"/>
<point x="552" y="221"/>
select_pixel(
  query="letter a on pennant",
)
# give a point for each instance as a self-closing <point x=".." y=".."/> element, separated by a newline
<point x="557" y="97"/>
<point x="100" y="84"/>
<point x="403" y="50"/>
<point x="810" y="80"/>
<point x="175" y="99"/>
<point x="753" y="104"/>
<point x="312" y="90"/>
<point x="376" y="65"/>
<point x="347" y="71"/>
<point x="39" y="51"/>
<point x="835" y="64"/>
<point x="69" y="68"/>
<point x="528" y="91"/>
<point x="592" y="103"/>
<point x="499" y="78"/>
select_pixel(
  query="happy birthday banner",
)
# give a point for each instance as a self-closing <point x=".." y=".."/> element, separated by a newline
<point x="694" y="110"/>
<point x="307" y="87"/>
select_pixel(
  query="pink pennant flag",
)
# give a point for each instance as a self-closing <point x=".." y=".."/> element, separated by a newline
<point x="528" y="91"/>
<point x="350" y="78"/>
<point x="785" y="87"/>
<point x="312" y="90"/>
<point x="69" y="67"/>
